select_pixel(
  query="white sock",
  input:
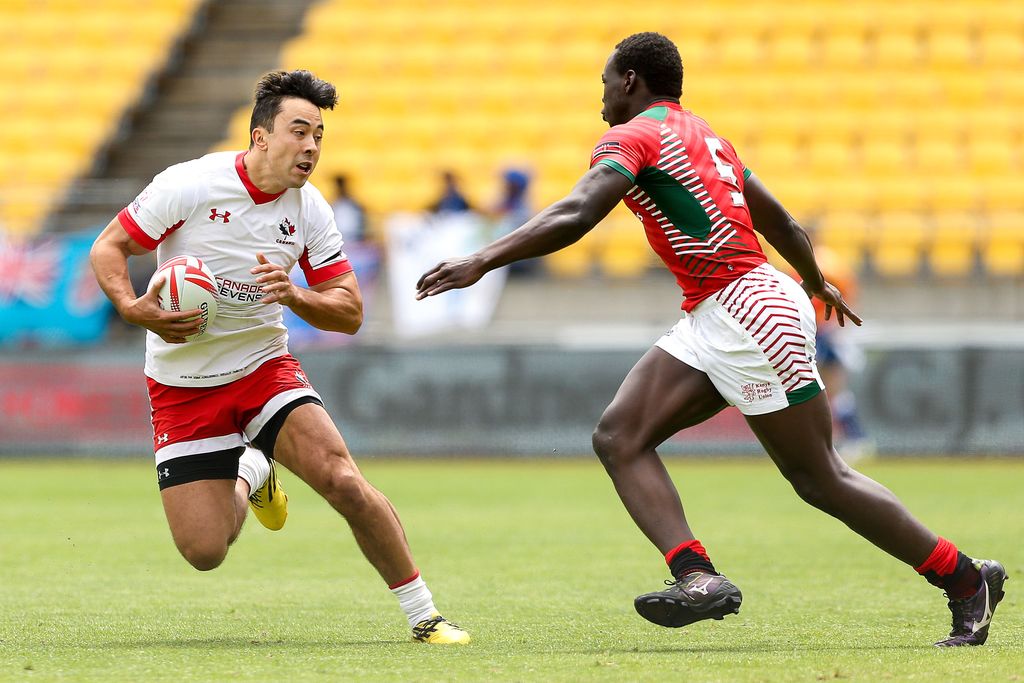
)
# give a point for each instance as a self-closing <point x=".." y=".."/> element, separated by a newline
<point x="254" y="468"/>
<point x="415" y="600"/>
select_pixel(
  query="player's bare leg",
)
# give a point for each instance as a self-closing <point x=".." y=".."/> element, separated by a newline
<point x="660" y="396"/>
<point x="799" y="440"/>
<point x="310" y="445"/>
<point x="205" y="518"/>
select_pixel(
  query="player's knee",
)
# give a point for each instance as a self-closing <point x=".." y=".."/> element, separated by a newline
<point x="823" y="490"/>
<point x="347" y="491"/>
<point x="203" y="555"/>
<point x="609" y="444"/>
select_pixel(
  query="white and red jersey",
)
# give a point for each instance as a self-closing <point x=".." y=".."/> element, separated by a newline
<point x="209" y="208"/>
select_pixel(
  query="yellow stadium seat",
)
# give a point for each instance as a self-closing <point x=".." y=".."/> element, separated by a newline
<point x="740" y="51"/>
<point x="844" y="49"/>
<point x="792" y="50"/>
<point x="951" y="252"/>
<point x="574" y="261"/>
<point x="1000" y="46"/>
<point x="951" y="192"/>
<point x="845" y="233"/>
<point x="933" y="158"/>
<point x="882" y="157"/>
<point x="899" y="242"/>
<point x="1003" y="251"/>
<point x="951" y="48"/>
<point x="896" y="48"/>
<point x="829" y="157"/>
<point x="1001" y="193"/>
<point x="992" y="157"/>
<point x="623" y="252"/>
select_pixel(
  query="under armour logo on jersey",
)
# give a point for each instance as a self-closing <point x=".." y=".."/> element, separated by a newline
<point x="223" y="216"/>
<point x="162" y="438"/>
<point x="302" y="378"/>
<point x="163" y="474"/>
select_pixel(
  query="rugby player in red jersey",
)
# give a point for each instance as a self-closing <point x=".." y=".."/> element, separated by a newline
<point x="746" y="339"/>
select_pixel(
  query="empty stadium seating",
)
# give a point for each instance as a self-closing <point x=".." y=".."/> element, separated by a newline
<point x="70" y="70"/>
<point x="858" y="115"/>
<point x="894" y="127"/>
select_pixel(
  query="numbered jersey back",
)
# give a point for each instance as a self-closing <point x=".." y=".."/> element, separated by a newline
<point x="688" y="194"/>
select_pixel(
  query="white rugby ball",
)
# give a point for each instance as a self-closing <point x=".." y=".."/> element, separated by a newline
<point x="188" y="284"/>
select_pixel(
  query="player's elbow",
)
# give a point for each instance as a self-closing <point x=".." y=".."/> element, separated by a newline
<point x="350" y="321"/>
<point x="354" y="323"/>
<point x="576" y="216"/>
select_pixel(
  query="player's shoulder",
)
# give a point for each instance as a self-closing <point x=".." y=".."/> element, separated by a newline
<point x="197" y="171"/>
<point x="313" y="201"/>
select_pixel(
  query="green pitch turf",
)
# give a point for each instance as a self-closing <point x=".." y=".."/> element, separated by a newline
<point x="537" y="558"/>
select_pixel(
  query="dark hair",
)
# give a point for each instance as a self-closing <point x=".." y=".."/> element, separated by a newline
<point x="275" y="86"/>
<point x="655" y="59"/>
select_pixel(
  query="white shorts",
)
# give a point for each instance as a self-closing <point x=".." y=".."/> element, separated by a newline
<point x="754" y="339"/>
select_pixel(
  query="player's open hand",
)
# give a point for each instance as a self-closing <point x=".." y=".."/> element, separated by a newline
<point x="833" y="300"/>
<point x="276" y="285"/>
<point x="451" y="274"/>
<point x="170" y="326"/>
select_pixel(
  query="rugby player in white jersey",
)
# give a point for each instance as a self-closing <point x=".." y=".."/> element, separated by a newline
<point x="250" y="217"/>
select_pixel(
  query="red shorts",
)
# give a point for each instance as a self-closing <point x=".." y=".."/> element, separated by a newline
<point x="209" y="426"/>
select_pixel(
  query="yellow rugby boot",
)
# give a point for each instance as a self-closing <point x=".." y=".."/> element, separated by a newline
<point x="269" y="502"/>
<point x="439" y="631"/>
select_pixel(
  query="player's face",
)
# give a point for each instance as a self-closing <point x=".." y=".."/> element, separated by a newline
<point x="616" y="108"/>
<point x="293" y="148"/>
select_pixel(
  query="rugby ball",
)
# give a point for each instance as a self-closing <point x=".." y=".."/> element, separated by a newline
<point x="188" y="284"/>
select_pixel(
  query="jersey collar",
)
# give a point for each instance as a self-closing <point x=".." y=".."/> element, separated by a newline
<point x="670" y="103"/>
<point x="258" y="195"/>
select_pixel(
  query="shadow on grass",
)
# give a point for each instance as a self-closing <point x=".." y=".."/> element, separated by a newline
<point x="243" y="643"/>
<point x="755" y="648"/>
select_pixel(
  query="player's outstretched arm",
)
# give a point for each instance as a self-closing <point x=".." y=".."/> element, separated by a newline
<point x="109" y="260"/>
<point x="335" y="305"/>
<point x="782" y="231"/>
<point x="554" y="228"/>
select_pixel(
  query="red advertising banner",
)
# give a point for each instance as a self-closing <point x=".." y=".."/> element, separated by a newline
<point x="77" y="405"/>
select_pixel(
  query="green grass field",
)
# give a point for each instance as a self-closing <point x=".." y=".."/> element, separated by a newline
<point x="537" y="558"/>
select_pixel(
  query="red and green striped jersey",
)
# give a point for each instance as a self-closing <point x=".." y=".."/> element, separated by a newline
<point x="688" y="193"/>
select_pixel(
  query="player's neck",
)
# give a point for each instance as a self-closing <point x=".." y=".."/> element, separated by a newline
<point x="645" y="103"/>
<point x="257" y="167"/>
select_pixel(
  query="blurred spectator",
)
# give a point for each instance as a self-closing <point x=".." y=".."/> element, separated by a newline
<point x="451" y="200"/>
<point x="837" y="357"/>
<point x="348" y="213"/>
<point x="512" y="210"/>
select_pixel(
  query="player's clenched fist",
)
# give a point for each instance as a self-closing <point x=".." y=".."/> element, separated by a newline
<point x="276" y="285"/>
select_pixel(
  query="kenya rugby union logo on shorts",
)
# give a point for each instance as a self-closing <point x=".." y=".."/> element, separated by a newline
<point x="755" y="391"/>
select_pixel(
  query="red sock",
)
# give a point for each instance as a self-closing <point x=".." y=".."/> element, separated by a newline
<point x="688" y="557"/>
<point x="942" y="561"/>
<point x="950" y="570"/>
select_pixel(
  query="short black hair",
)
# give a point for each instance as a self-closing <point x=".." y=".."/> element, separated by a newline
<point x="655" y="59"/>
<point x="275" y="86"/>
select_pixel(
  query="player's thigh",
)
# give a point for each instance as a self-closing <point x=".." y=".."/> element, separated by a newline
<point x="799" y="438"/>
<point x="310" y="445"/>
<point x="200" y="512"/>
<point x="660" y="396"/>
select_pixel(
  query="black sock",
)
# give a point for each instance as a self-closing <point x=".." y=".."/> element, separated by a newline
<point x="963" y="582"/>
<point x="687" y="561"/>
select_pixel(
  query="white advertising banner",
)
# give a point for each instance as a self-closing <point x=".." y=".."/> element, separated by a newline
<point x="415" y="244"/>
